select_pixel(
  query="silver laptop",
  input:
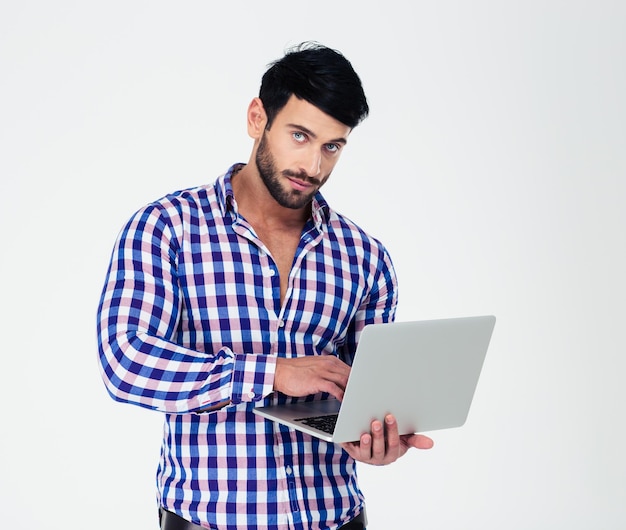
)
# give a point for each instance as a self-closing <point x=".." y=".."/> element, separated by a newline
<point x="423" y="372"/>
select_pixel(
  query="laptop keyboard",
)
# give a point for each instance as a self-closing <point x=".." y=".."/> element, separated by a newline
<point x="323" y="423"/>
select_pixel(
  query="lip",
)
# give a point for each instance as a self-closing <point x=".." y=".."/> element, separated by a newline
<point x="300" y="185"/>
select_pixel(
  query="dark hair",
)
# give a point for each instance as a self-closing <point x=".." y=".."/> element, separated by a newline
<point x="319" y="75"/>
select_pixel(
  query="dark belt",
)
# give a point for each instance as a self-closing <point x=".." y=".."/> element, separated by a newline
<point x="171" y="521"/>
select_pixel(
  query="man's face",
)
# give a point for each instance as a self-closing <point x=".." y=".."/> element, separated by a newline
<point x="297" y="154"/>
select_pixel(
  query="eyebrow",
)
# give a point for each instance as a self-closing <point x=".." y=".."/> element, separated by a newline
<point x="343" y="141"/>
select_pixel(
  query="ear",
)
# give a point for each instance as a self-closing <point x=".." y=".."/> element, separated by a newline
<point x="257" y="118"/>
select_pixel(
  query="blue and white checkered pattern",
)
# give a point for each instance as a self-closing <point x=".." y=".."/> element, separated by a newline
<point x="191" y="316"/>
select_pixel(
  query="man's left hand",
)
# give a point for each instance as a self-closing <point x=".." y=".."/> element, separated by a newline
<point x="384" y="445"/>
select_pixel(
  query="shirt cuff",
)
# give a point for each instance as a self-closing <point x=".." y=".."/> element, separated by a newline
<point x="253" y="378"/>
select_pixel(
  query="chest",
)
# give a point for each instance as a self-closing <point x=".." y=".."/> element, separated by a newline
<point x="282" y="246"/>
<point x="255" y="294"/>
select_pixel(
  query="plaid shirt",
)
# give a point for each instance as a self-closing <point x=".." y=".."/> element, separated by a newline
<point x="190" y="316"/>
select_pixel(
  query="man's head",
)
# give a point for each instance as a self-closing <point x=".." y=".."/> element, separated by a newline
<point x="309" y="102"/>
<point x="319" y="75"/>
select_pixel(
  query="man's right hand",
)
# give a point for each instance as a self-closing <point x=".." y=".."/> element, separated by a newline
<point x="302" y="376"/>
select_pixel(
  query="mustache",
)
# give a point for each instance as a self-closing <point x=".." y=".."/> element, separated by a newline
<point x="301" y="175"/>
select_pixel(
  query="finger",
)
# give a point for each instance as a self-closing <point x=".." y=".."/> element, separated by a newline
<point x="331" y="388"/>
<point x="365" y="448"/>
<point x="361" y="450"/>
<point x="419" y="441"/>
<point x="392" y="436"/>
<point x="378" y="441"/>
<point x="336" y="370"/>
<point x="333" y="374"/>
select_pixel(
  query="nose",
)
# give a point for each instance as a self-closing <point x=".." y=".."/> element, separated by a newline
<point x="312" y="165"/>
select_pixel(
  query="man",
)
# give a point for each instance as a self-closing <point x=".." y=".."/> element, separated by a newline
<point x="249" y="291"/>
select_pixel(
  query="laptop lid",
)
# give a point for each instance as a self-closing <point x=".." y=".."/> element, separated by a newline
<point x="423" y="372"/>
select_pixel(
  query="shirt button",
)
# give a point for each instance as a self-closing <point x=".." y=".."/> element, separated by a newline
<point x="289" y="471"/>
<point x="281" y="324"/>
<point x="251" y="394"/>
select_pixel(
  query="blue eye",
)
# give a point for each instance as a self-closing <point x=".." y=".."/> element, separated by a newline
<point x="299" y="136"/>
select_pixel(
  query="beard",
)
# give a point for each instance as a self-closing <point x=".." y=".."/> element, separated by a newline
<point x="271" y="177"/>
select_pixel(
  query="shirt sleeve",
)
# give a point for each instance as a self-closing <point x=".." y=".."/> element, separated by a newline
<point x="381" y="302"/>
<point x="137" y="320"/>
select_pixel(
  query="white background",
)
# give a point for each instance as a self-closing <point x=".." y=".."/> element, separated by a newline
<point x="492" y="166"/>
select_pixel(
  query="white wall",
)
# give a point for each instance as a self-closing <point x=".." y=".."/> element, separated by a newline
<point x="492" y="165"/>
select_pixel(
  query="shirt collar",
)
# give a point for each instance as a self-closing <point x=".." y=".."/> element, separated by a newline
<point x="320" y="211"/>
<point x="224" y="189"/>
